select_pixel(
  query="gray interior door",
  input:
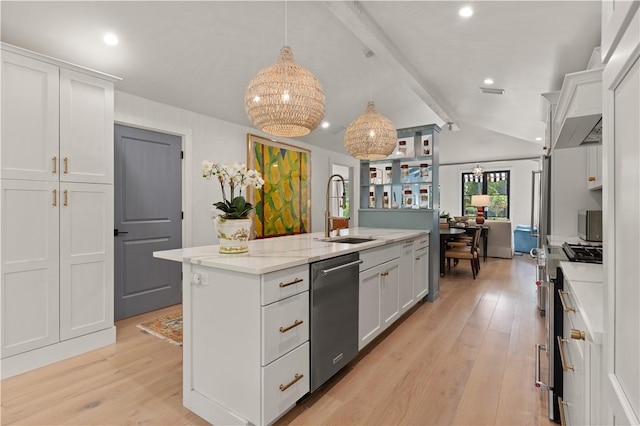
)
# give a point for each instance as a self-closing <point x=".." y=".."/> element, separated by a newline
<point x="148" y="217"/>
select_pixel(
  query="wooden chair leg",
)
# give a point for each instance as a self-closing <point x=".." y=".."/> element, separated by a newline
<point x="473" y="269"/>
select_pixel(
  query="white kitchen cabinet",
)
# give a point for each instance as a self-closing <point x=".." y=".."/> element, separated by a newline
<point x="30" y="265"/>
<point x="57" y="122"/>
<point x="421" y="267"/>
<point x="86" y="128"/>
<point x="615" y="18"/>
<point x="594" y="167"/>
<point x="621" y="85"/>
<point x="389" y="289"/>
<point x="238" y="366"/>
<point x="30" y="118"/>
<point x="57" y="210"/>
<point x="406" y="293"/>
<point x="86" y="258"/>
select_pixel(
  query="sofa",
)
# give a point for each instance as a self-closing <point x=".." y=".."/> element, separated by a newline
<point x="500" y="242"/>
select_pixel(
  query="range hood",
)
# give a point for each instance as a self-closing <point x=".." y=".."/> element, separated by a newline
<point x="578" y="117"/>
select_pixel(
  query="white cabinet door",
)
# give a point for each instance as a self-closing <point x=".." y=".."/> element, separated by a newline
<point x="594" y="167"/>
<point x="86" y="128"/>
<point x="86" y="258"/>
<point x="369" y="324"/>
<point x="29" y="148"/>
<point x="621" y="82"/>
<point x="29" y="219"/>
<point x="421" y="272"/>
<point x="406" y="291"/>
<point x="389" y="290"/>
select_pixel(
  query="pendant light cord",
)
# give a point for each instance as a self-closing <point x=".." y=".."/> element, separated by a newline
<point x="286" y="21"/>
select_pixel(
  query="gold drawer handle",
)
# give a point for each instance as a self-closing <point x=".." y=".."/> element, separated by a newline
<point x="288" y="385"/>
<point x="294" y="325"/>
<point x="384" y="274"/>
<point x="418" y="258"/>
<point x="592" y="178"/>
<point x="65" y="203"/>
<point x="561" y="403"/>
<point x="55" y="197"/>
<point x="564" y="304"/>
<point x="565" y="367"/>
<point x="295" y="281"/>
<point x="55" y="164"/>
<point x="66" y="165"/>
<point x="578" y="334"/>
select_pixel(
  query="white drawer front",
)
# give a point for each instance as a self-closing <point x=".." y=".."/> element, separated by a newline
<point x="280" y="284"/>
<point x="277" y="397"/>
<point x="379" y="255"/>
<point x="285" y="325"/>
<point x="421" y="242"/>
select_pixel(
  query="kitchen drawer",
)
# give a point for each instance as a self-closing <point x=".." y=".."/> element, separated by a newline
<point x="574" y="395"/>
<point x="421" y="242"/>
<point x="287" y="282"/>
<point x="285" y="325"/>
<point x="277" y="395"/>
<point x="379" y="255"/>
<point x="573" y="319"/>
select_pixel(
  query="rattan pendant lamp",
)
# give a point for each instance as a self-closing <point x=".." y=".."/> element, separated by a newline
<point x="285" y="99"/>
<point x="371" y="136"/>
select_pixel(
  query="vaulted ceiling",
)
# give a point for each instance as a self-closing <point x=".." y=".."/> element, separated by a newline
<point x="428" y="66"/>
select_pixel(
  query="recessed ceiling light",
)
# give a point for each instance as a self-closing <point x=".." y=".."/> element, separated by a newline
<point x="538" y="138"/>
<point x="325" y="124"/>
<point x="488" y="81"/>
<point x="110" y="39"/>
<point x="465" y="12"/>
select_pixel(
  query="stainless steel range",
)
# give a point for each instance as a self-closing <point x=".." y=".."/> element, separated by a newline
<point x="586" y="253"/>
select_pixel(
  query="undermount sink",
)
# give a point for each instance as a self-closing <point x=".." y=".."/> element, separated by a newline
<point x="349" y="240"/>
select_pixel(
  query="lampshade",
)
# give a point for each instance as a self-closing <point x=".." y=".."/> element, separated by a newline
<point x="482" y="200"/>
<point x="371" y="136"/>
<point x="285" y="99"/>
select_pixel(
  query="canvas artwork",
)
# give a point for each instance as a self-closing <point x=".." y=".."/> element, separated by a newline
<point x="282" y="205"/>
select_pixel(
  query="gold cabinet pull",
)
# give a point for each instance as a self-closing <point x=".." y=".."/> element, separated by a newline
<point x="294" y="325"/>
<point x="54" y="160"/>
<point x="563" y="420"/>
<point x="65" y="203"/>
<point x="66" y="165"/>
<point x="592" y="178"/>
<point x="384" y="274"/>
<point x="578" y="334"/>
<point x="564" y="303"/>
<point x="419" y="257"/>
<point x="55" y="198"/>
<point x="565" y="367"/>
<point x="295" y="281"/>
<point x="288" y="385"/>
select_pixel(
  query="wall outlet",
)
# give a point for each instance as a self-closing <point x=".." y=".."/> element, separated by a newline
<point x="199" y="278"/>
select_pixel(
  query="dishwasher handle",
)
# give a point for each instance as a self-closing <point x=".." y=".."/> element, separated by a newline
<point x="325" y="272"/>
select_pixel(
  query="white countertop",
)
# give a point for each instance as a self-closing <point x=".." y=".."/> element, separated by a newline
<point x="273" y="254"/>
<point x="578" y="271"/>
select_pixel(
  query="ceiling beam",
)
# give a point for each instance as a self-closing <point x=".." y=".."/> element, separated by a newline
<point x="353" y="15"/>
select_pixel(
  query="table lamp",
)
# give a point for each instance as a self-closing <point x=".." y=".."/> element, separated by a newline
<point x="480" y="201"/>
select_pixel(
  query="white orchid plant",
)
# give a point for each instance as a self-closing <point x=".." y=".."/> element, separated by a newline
<point x="237" y="176"/>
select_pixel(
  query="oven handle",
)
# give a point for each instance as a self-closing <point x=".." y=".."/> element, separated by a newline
<point x="540" y="384"/>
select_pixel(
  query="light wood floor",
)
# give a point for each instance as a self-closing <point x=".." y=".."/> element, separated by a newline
<point x="467" y="358"/>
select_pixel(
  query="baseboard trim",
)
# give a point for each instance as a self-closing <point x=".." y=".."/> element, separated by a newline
<point x="27" y="361"/>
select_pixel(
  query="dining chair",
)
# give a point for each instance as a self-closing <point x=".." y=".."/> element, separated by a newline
<point x="466" y="252"/>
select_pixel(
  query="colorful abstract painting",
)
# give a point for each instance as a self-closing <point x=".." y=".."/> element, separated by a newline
<point x="282" y="205"/>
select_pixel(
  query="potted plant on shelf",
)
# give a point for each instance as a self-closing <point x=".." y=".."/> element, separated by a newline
<point x="234" y="224"/>
<point x="444" y="219"/>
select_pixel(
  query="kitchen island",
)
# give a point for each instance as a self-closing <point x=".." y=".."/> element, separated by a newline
<point x="246" y="330"/>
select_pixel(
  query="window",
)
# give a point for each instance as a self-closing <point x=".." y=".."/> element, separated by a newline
<point x="496" y="184"/>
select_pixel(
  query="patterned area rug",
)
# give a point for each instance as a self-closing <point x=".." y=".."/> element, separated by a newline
<point x="168" y="327"/>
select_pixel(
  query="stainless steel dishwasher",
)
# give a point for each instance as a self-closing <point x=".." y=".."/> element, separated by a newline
<point x="334" y="316"/>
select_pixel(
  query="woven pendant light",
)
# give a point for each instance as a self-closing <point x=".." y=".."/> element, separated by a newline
<point x="285" y="99"/>
<point x="370" y="136"/>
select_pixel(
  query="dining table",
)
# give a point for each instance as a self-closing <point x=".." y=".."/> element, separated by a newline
<point x="447" y="234"/>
